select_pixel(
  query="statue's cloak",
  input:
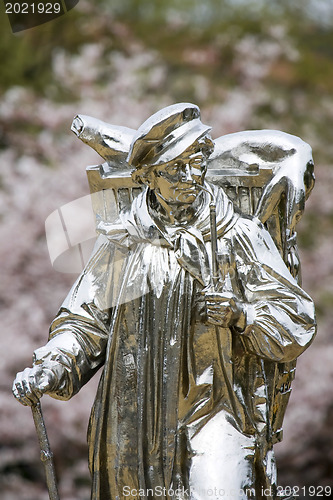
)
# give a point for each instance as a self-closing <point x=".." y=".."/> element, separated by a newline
<point x="137" y="310"/>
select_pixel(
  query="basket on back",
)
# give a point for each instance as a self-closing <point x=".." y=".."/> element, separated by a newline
<point x="266" y="173"/>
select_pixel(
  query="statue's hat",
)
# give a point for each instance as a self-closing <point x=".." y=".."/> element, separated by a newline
<point x="166" y="135"/>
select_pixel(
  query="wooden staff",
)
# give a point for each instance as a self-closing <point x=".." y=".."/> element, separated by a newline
<point x="46" y="455"/>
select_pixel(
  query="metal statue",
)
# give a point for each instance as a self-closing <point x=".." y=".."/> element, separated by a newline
<point x="191" y="303"/>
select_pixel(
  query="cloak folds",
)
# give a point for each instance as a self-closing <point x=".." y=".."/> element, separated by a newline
<point x="137" y="309"/>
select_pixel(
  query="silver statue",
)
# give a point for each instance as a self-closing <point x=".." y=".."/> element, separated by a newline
<point x="193" y="308"/>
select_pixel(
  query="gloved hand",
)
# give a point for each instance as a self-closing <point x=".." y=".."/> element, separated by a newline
<point x="32" y="383"/>
<point x="224" y="309"/>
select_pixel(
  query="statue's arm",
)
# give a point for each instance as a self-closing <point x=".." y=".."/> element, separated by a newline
<point x="75" y="350"/>
<point x="78" y="334"/>
<point x="280" y="317"/>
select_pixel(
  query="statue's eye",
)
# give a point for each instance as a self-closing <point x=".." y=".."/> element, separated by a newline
<point x="174" y="168"/>
<point x="196" y="161"/>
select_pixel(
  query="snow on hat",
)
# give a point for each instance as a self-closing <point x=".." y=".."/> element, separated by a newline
<point x="166" y="135"/>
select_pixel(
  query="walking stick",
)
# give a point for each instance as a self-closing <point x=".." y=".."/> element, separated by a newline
<point x="46" y="455"/>
<point x="217" y="263"/>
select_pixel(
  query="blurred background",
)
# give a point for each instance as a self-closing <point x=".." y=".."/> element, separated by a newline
<point x="248" y="65"/>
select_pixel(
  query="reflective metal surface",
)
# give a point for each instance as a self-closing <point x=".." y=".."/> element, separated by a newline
<point x="188" y="305"/>
<point x="46" y="454"/>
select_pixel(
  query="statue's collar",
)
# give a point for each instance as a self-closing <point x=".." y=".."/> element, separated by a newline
<point x="142" y="225"/>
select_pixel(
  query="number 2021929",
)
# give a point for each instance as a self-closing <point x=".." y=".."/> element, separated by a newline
<point x="33" y="8"/>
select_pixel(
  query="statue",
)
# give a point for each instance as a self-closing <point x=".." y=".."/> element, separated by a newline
<point x="192" y="306"/>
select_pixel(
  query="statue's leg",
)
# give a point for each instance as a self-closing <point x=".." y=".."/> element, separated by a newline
<point x="265" y="471"/>
<point x="222" y="463"/>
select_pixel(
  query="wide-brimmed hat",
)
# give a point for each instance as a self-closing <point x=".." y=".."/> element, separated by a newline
<point x="166" y="135"/>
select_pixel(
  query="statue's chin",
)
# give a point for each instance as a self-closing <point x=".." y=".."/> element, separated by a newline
<point x="182" y="197"/>
<point x="187" y="199"/>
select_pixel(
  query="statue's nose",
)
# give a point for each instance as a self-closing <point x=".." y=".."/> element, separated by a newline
<point x="188" y="174"/>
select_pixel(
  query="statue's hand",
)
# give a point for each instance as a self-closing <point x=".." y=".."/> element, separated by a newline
<point x="223" y="309"/>
<point x="32" y="383"/>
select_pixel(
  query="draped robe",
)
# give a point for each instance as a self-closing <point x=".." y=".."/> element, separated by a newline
<point x="137" y="309"/>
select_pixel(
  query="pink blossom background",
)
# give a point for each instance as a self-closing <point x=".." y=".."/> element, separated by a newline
<point x="43" y="167"/>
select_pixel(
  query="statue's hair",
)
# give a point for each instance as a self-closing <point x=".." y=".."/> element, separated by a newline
<point x="204" y="144"/>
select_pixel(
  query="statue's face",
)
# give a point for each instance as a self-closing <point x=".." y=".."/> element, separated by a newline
<point x="178" y="181"/>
